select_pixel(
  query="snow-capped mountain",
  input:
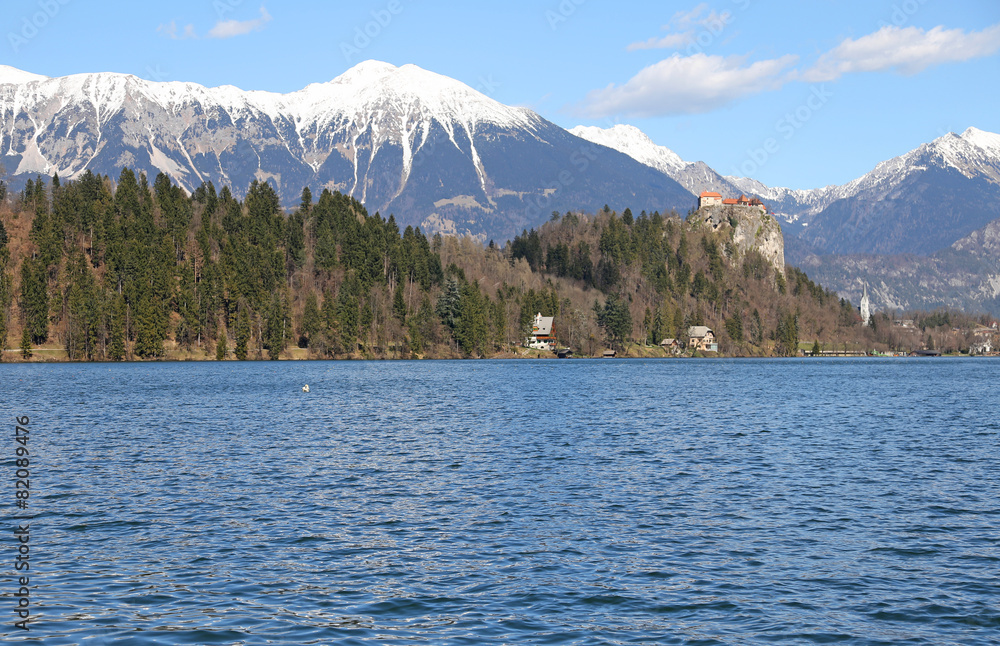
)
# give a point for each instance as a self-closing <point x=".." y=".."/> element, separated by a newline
<point x="920" y="202"/>
<point x="696" y="177"/>
<point x="636" y="144"/>
<point x="425" y="147"/>
<point x="921" y="231"/>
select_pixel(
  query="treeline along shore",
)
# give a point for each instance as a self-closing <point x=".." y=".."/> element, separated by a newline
<point x="102" y="269"/>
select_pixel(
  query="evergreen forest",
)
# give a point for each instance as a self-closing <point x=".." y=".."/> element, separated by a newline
<point x="116" y="269"/>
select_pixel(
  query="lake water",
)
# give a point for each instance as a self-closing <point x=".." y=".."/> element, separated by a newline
<point x="508" y="502"/>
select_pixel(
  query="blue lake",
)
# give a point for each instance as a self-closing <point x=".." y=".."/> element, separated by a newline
<point x="508" y="502"/>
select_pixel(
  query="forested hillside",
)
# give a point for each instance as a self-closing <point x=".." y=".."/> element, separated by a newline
<point x="102" y="269"/>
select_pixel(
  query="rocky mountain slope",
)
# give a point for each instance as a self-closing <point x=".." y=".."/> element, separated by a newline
<point x="964" y="276"/>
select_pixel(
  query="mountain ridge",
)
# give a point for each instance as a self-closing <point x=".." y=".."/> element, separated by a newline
<point x="434" y="151"/>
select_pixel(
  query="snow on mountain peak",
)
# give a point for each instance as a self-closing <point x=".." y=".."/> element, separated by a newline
<point x="988" y="141"/>
<point x="374" y="87"/>
<point x="634" y="143"/>
<point x="368" y="69"/>
<point x="368" y="89"/>
<point x="10" y="74"/>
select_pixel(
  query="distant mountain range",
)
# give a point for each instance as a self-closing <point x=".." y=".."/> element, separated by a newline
<point x="917" y="203"/>
<point x="424" y="147"/>
<point x="438" y="154"/>
<point x="922" y="229"/>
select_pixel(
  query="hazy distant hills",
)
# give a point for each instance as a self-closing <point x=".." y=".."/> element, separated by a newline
<point x="427" y="148"/>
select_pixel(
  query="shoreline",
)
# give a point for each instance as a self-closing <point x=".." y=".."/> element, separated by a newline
<point x="499" y="357"/>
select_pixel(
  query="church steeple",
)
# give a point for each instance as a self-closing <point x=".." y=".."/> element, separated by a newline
<point x="866" y="308"/>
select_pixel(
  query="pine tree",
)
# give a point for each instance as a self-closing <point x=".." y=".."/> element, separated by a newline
<point x="114" y="325"/>
<point x="786" y="335"/>
<point x="306" y="204"/>
<point x="84" y="315"/>
<point x="399" y="304"/>
<point x="656" y="334"/>
<point x="26" y="344"/>
<point x="149" y="335"/>
<point x="243" y="332"/>
<point x="472" y="322"/>
<point x="221" y="346"/>
<point x="35" y="300"/>
<point x="678" y="324"/>
<point x="311" y="319"/>
<point x="277" y="328"/>
<point x="347" y="314"/>
<point x="616" y="320"/>
<point x="734" y="326"/>
<point x="448" y="303"/>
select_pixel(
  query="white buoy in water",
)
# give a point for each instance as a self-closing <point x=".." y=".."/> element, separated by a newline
<point x="305" y="388"/>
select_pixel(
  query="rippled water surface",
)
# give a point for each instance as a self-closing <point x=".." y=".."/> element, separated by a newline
<point x="546" y="502"/>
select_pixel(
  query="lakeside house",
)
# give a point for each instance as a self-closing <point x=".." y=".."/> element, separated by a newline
<point x="543" y="333"/>
<point x="982" y="347"/>
<point x="702" y="338"/>
<point x="672" y="346"/>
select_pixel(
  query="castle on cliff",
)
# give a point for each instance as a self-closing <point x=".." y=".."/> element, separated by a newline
<point x="711" y="198"/>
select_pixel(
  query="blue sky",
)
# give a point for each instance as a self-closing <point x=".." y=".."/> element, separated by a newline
<point x="791" y="93"/>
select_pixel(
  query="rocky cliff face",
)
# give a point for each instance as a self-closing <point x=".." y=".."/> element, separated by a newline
<point x="750" y="230"/>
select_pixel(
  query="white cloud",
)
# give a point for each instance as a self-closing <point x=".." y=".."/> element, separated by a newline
<point x="670" y="41"/>
<point x="685" y="27"/>
<point x="907" y="50"/>
<point x="687" y="85"/>
<point x="233" y="28"/>
<point x="170" y="31"/>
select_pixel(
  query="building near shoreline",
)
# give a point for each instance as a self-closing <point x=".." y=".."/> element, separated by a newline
<point x="543" y="333"/>
<point x="702" y="338"/>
